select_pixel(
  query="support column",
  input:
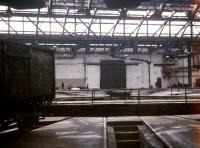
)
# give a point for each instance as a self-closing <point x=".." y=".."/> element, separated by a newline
<point x="190" y="53"/>
<point x="50" y="7"/>
<point x="149" y="70"/>
<point x="189" y="65"/>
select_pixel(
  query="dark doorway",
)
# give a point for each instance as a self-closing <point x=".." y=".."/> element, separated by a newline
<point x="159" y="83"/>
<point x="197" y="82"/>
<point x="113" y="74"/>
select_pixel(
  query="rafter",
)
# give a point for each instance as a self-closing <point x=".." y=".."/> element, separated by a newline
<point x="63" y="26"/>
<point x="35" y="24"/>
<point x="139" y="25"/>
<point x="87" y="27"/>
<point x="163" y="25"/>
<point x="184" y="27"/>
<point x="112" y="30"/>
<point x="8" y="25"/>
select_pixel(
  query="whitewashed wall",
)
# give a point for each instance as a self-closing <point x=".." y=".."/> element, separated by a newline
<point x="137" y="75"/>
<point x="93" y="76"/>
<point x="69" y="68"/>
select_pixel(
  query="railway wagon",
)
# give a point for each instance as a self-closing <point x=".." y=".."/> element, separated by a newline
<point x="27" y="81"/>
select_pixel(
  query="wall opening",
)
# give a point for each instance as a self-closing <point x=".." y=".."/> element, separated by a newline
<point x="113" y="74"/>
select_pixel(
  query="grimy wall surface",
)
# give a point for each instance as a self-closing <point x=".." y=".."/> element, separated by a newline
<point x="85" y="71"/>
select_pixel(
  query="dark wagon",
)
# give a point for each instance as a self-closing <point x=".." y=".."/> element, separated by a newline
<point x="27" y="81"/>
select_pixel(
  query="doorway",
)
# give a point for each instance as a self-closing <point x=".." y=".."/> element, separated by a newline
<point x="113" y="74"/>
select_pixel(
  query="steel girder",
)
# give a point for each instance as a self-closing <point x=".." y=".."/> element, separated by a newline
<point x="89" y="13"/>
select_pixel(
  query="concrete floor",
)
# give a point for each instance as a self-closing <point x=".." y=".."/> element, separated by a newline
<point x="175" y="131"/>
<point x="70" y="133"/>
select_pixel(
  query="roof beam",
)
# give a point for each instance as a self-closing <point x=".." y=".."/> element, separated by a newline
<point x="87" y="26"/>
<point x="7" y="23"/>
<point x="141" y="22"/>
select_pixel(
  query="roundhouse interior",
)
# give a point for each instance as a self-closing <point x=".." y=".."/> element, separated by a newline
<point x="99" y="73"/>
